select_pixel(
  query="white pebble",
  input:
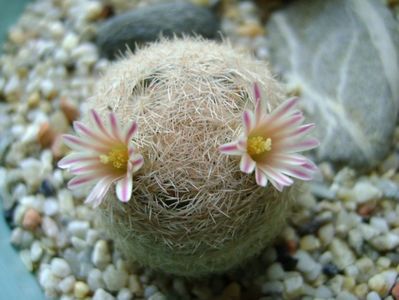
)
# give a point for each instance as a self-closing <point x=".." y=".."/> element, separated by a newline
<point x="380" y="224"/>
<point x="124" y="294"/>
<point x="95" y="280"/>
<point x="365" y="191"/>
<point x="373" y="296"/>
<point x="67" y="284"/>
<point x="26" y="259"/>
<point x="50" y="207"/>
<point x="101" y="256"/>
<point x="342" y="254"/>
<point x="66" y="204"/>
<point x="114" y="279"/>
<point x="70" y="41"/>
<point x="47" y="87"/>
<point x="48" y="280"/>
<point x="272" y="287"/>
<point x="60" y="267"/>
<point x="12" y="86"/>
<point x="100" y="294"/>
<point x="78" y="228"/>
<point x="323" y="292"/>
<point x="385" y="242"/>
<point x="36" y="251"/>
<point x="326" y="233"/>
<point x="50" y="227"/>
<point x="275" y="272"/>
<point x="80" y="290"/>
<point x="383" y="282"/>
<point x="157" y="296"/>
<point x="307" y="265"/>
<point x="293" y="284"/>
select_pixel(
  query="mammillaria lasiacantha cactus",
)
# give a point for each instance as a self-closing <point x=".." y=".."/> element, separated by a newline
<point x="192" y="210"/>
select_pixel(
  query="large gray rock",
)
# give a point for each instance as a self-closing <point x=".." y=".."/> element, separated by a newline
<point x="342" y="55"/>
<point x="146" y="24"/>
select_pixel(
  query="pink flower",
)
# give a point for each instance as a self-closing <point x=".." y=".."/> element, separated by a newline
<point x="102" y="154"/>
<point x="270" y="142"/>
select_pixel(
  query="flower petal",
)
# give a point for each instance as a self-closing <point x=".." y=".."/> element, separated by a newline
<point x="137" y="162"/>
<point x="249" y="121"/>
<point x="231" y="149"/>
<point x="97" y="120"/>
<point x="78" y="144"/>
<point x="76" y="158"/>
<point x="302" y="146"/>
<point x="114" y="126"/>
<point x="297" y="132"/>
<point x="276" y="176"/>
<point x="98" y="193"/>
<point x="131" y="132"/>
<point x="284" y="108"/>
<point x="81" y="181"/>
<point x="278" y="186"/>
<point x="260" y="177"/>
<point x="84" y="131"/>
<point x="298" y="172"/>
<point x="288" y="159"/>
<point x="124" y="188"/>
<point x="247" y="164"/>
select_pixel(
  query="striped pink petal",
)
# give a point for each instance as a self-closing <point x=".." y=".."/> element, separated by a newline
<point x="77" y="143"/>
<point x="137" y="162"/>
<point x="124" y="188"/>
<point x="80" y="181"/>
<point x="247" y="164"/>
<point x="114" y="126"/>
<point x="76" y="158"/>
<point x="284" y="108"/>
<point x="260" y="177"/>
<point x="298" y="132"/>
<point x="276" y="176"/>
<point x="231" y="149"/>
<point x="97" y="120"/>
<point x="132" y="130"/>
<point x="99" y="191"/>
<point x="304" y="145"/>
<point x="84" y="131"/>
<point x="277" y="185"/>
<point x="249" y="121"/>
<point x="291" y="159"/>
<point x="298" y="172"/>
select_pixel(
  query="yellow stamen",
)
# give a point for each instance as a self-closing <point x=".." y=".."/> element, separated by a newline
<point x="118" y="156"/>
<point x="258" y="145"/>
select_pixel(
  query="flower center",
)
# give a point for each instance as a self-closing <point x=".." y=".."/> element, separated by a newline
<point x="118" y="157"/>
<point x="258" y="145"/>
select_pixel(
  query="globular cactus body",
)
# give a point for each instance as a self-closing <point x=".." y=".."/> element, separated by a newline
<point x="192" y="212"/>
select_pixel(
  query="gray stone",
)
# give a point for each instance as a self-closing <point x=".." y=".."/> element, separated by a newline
<point x="148" y="23"/>
<point x="342" y="57"/>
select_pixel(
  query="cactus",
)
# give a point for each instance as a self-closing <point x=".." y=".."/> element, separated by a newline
<point x="192" y="211"/>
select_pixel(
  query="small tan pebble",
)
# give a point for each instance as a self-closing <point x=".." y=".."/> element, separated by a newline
<point x="361" y="290"/>
<point x="33" y="99"/>
<point x="46" y="135"/>
<point x="366" y="209"/>
<point x="251" y="30"/>
<point x="292" y="246"/>
<point x="309" y="243"/>
<point x="70" y="110"/>
<point x="81" y="289"/>
<point x="17" y="36"/>
<point x="232" y="292"/>
<point x="31" y="219"/>
<point x="395" y="291"/>
<point x="58" y="147"/>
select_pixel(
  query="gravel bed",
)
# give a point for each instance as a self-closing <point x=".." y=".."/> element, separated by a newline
<point x="341" y="242"/>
